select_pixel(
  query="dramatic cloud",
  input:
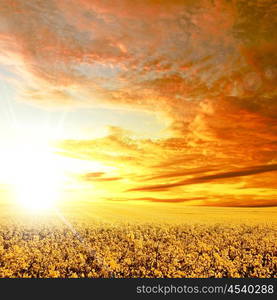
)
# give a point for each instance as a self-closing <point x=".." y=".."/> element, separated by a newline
<point x="206" y="68"/>
<point x="134" y="53"/>
<point x="209" y="178"/>
<point x="147" y="166"/>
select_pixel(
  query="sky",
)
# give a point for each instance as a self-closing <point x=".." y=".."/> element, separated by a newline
<point x="152" y="101"/>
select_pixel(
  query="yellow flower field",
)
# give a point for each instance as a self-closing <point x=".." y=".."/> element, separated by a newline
<point x="143" y="250"/>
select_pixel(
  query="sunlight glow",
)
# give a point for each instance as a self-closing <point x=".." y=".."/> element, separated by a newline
<point x="35" y="174"/>
<point x="39" y="175"/>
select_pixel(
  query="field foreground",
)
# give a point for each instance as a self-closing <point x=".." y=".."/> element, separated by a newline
<point x="137" y="250"/>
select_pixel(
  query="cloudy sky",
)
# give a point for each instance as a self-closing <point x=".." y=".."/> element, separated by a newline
<point x="155" y="100"/>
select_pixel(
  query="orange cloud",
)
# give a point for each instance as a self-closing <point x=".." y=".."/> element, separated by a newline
<point x="208" y="67"/>
<point x="159" y="163"/>
<point x="209" y="178"/>
<point x="151" y="51"/>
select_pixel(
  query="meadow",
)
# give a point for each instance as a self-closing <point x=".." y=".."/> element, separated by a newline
<point x="63" y="247"/>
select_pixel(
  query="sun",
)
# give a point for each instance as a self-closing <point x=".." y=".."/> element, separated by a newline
<point x="39" y="176"/>
<point x="34" y="172"/>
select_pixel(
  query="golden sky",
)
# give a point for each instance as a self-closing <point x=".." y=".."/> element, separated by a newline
<point x="156" y="100"/>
